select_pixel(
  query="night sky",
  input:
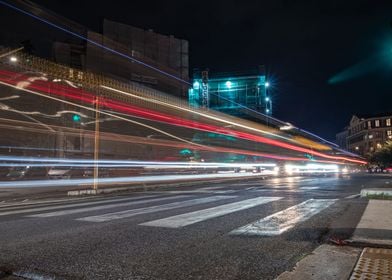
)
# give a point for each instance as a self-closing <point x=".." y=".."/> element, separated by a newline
<point x="326" y="60"/>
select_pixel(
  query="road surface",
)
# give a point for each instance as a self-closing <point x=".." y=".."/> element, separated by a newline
<point x="254" y="229"/>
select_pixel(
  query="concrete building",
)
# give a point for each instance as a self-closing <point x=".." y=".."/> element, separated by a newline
<point x="367" y="133"/>
<point x="165" y="53"/>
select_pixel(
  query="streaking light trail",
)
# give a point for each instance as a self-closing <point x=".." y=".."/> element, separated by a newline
<point x="89" y="98"/>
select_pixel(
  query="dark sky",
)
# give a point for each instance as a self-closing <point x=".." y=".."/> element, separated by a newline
<point x="303" y="44"/>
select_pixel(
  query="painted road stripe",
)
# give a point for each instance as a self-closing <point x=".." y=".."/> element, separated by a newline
<point x="282" y="221"/>
<point x="309" y="188"/>
<point x="152" y="209"/>
<point x="198" y="216"/>
<point x="352" y="196"/>
<point x="102" y="207"/>
<point x="38" y="209"/>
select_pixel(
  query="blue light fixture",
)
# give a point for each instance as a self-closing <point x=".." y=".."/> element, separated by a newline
<point x="196" y="85"/>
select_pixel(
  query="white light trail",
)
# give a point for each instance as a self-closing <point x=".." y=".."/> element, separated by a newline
<point x="119" y="180"/>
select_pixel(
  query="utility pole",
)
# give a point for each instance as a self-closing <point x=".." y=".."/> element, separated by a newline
<point x="96" y="145"/>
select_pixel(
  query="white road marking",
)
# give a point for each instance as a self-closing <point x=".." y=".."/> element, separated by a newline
<point x="309" y="188"/>
<point x="352" y="196"/>
<point x="21" y="211"/>
<point x="151" y="209"/>
<point x="198" y="216"/>
<point x="282" y="221"/>
<point x="101" y="207"/>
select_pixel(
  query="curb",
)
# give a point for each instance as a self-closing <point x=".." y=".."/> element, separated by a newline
<point x="374" y="243"/>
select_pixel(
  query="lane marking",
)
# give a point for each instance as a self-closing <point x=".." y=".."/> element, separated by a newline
<point x="202" y="215"/>
<point x="284" y="220"/>
<point x="309" y="188"/>
<point x="352" y="196"/>
<point x="151" y="209"/>
<point x="21" y="211"/>
<point x="102" y="207"/>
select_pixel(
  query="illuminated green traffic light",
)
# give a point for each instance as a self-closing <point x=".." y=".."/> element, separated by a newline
<point x="76" y="118"/>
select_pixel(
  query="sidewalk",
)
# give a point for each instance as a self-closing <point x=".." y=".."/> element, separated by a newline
<point x="368" y="256"/>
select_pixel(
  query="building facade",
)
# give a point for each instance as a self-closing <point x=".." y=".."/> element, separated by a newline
<point x="367" y="133"/>
<point x="231" y="93"/>
<point x="160" y="52"/>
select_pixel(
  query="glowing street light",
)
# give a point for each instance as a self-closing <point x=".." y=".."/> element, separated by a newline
<point x="196" y="85"/>
<point x="228" y="84"/>
<point x="13" y="59"/>
<point x="267" y="84"/>
<point x="267" y="99"/>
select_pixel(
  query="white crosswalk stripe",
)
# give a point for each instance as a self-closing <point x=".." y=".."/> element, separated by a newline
<point x="282" y="221"/>
<point x="64" y="206"/>
<point x="102" y="207"/>
<point x="152" y="209"/>
<point x="309" y="188"/>
<point x="202" y="215"/>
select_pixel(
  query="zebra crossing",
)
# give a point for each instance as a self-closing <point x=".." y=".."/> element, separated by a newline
<point x="106" y="210"/>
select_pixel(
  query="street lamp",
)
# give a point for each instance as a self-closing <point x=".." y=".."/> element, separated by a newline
<point x="13" y="59"/>
<point x="268" y="101"/>
<point x="196" y="85"/>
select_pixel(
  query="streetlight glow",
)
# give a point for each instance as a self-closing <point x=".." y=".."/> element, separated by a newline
<point x="267" y="84"/>
<point x="13" y="59"/>
<point x="228" y="84"/>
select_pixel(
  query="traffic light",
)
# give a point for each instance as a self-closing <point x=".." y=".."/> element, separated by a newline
<point x="75" y="118"/>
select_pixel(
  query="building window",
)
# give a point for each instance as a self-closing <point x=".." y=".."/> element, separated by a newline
<point x="371" y="136"/>
<point x="388" y="122"/>
<point x="389" y="134"/>
<point x="377" y="123"/>
<point x="369" y="124"/>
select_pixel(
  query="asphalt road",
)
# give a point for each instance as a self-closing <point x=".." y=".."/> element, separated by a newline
<point x="253" y="229"/>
